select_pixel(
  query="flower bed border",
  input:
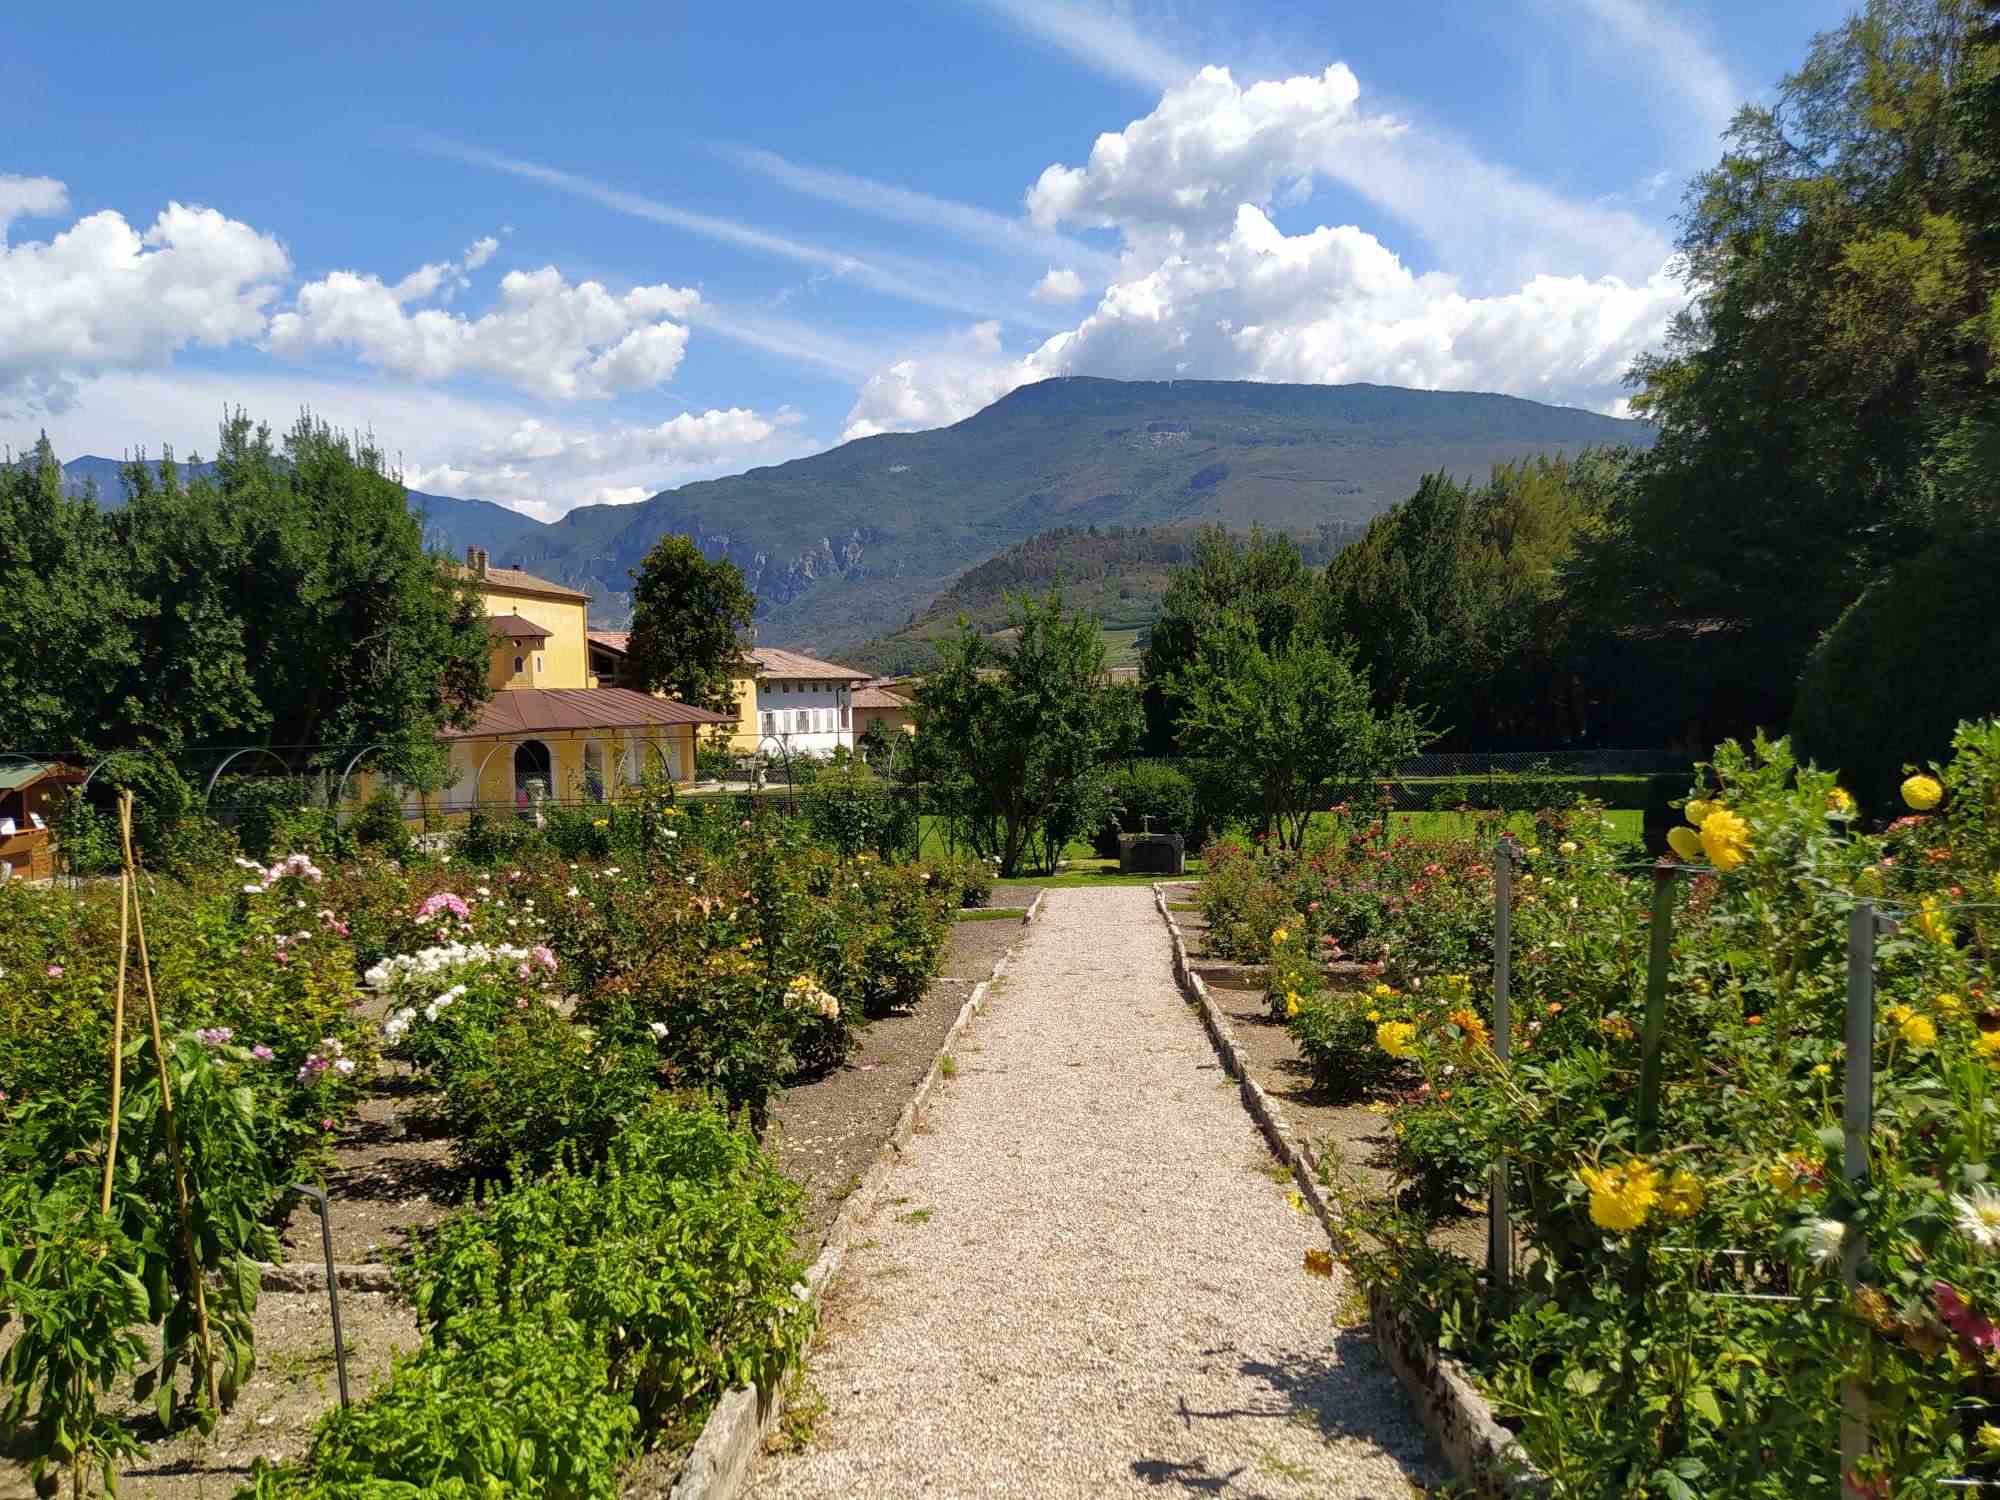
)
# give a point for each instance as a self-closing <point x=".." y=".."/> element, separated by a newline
<point x="721" y="1457"/>
<point x="1483" y="1454"/>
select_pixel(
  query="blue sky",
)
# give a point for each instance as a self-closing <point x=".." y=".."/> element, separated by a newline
<point x="559" y="256"/>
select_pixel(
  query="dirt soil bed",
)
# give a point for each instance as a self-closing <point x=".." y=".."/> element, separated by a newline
<point x="393" y="1177"/>
<point x="1355" y="1131"/>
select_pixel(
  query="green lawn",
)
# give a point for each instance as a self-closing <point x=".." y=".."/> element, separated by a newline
<point x="1085" y="873"/>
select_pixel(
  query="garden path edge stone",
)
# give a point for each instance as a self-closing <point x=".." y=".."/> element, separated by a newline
<point x="1482" y="1453"/>
<point x="721" y="1457"/>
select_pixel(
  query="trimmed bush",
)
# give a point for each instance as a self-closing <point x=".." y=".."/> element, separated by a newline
<point x="1143" y="791"/>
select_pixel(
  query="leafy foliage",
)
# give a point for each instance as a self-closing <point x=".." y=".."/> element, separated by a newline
<point x="688" y="614"/>
<point x="167" y="606"/>
<point x="1016" y="742"/>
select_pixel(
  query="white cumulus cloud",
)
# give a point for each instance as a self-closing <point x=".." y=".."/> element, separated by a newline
<point x="545" y="336"/>
<point x="1209" y="286"/>
<point x="1329" y="306"/>
<point x="102" y="295"/>
<point x="1060" y="285"/>
<point x="544" y="468"/>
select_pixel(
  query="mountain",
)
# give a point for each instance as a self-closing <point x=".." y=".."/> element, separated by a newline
<point x="450" y="524"/>
<point x="1118" y="574"/>
<point x="847" y="544"/>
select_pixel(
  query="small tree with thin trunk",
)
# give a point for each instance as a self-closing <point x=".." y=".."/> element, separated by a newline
<point x="1286" y="729"/>
<point x="687" y="617"/>
<point x="1018" y="738"/>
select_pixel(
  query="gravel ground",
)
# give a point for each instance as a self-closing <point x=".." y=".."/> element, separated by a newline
<point x="1082" y="1279"/>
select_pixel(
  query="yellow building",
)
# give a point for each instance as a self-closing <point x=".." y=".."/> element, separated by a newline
<point x="552" y="729"/>
<point x="884" y="708"/>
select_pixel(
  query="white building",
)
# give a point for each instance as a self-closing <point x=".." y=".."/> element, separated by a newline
<point x="802" y="702"/>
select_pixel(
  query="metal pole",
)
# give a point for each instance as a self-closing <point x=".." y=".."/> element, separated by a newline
<point x="1857" y="1123"/>
<point x="332" y="1283"/>
<point x="1659" y="959"/>
<point x="1499" y="1238"/>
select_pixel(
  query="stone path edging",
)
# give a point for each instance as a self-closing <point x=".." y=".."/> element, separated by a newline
<point x="1484" y="1454"/>
<point x="721" y="1457"/>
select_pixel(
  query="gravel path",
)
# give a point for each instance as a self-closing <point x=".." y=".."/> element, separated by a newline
<point x="1083" y="1280"/>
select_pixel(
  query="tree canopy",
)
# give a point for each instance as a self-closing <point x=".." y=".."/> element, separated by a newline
<point x="688" y="615"/>
<point x="283" y="599"/>
<point x="1825" y="403"/>
<point x="1016" y="740"/>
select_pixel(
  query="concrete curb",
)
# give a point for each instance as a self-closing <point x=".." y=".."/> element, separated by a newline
<point x="721" y="1458"/>
<point x="1482" y="1453"/>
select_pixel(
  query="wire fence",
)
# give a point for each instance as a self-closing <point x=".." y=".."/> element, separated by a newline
<point x="1868" y="922"/>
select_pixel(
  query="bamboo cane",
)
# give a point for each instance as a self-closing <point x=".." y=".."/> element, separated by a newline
<point x="118" y="1012"/>
<point x="195" y="1276"/>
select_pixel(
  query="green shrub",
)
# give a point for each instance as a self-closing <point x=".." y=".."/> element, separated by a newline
<point x="514" y="1404"/>
<point x="533" y="1089"/>
<point x="677" y="1253"/>
<point x="487" y="840"/>
<point x="379" y="828"/>
<point x="962" y="879"/>
<point x="847" y="809"/>
<point x="1147" y="793"/>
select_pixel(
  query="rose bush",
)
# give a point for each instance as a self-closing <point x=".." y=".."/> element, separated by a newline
<point x="1679" y="1323"/>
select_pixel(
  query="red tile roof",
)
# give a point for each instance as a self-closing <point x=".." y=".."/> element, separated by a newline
<point x="611" y="640"/>
<point x="515" y="628"/>
<point x="516" y="581"/>
<point x="880" y="697"/>
<point x="537" y="710"/>
<point x="772" y="662"/>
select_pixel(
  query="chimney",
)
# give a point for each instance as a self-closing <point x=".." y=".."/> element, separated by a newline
<point x="475" y="561"/>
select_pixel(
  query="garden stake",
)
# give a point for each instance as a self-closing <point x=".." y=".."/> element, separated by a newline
<point x="1658" y="960"/>
<point x="1857" y="1121"/>
<point x="118" y="1011"/>
<point x="325" y="1211"/>
<point x="195" y="1277"/>
<point x="1499" y="1235"/>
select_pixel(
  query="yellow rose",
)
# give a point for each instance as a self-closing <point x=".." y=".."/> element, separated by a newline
<point x="1896" y="1015"/>
<point x="1685" y="842"/>
<point x="1822" y="1070"/>
<point x="1837" y="801"/>
<point x="1396" y="1038"/>
<point x="1922" y="792"/>
<point x="1931" y="921"/>
<point x="1726" y="839"/>
<point x="1986" y="1047"/>
<point x="1949" y="1004"/>
<point x="1374" y="1015"/>
<point x="1622" y="1196"/>
<point x="1291" y="1003"/>
<point x="1698" y="809"/>
<point x="1467" y="1020"/>
<point x="1279" y="935"/>
<point x="1682" y="1196"/>
<point x="1918" y="1031"/>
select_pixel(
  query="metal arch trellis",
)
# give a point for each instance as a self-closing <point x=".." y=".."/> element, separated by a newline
<point x="263" y="750"/>
<point x="785" y="751"/>
<point x="340" y="790"/>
